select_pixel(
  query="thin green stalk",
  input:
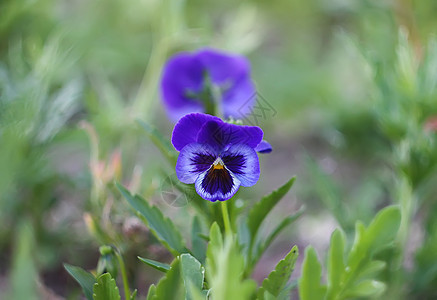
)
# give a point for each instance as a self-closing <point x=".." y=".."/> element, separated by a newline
<point x="226" y="220"/>
<point x="210" y="106"/>
<point x="147" y="90"/>
<point x="407" y="203"/>
<point x="123" y="276"/>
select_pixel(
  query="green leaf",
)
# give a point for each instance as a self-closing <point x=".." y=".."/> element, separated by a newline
<point x="225" y="268"/>
<point x="160" y="142"/>
<point x="336" y="265"/>
<point x="267" y="296"/>
<point x="278" y="278"/>
<point x="163" y="267"/>
<point x="261" y="209"/>
<point x="406" y="65"/>
<point x="359" y="248"/>
<point x="371" y="269"/>
<point x="203" y="237"/>
<point x="309" y="283"/>
<point x="162" y="227"/>
<point x="214" y="246"/>
<point x="215" y="236"/>
<point x="281" y="226"/>
<point x="151" y="292"/>
<point x="383" y="228"/>
<point x="366" y="289"/>
<point x="85" y="279"/>
<point x="198" y="247"/>
<point x="105" y="288"/>
<point x="133" y="296"/>
<point x="192" y="274"/>
<point x="381" y="232"/>
<point x="286" y="291"/>
<point x="243" y="236"/>
<point x="196" y="293"/>
<point x="171" y="287"/>
<point x="358" y="280"/>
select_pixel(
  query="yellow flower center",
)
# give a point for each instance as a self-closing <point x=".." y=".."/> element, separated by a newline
<point x="218" y="164"/>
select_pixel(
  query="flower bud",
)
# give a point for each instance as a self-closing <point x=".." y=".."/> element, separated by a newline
<point x="107" y="261"/>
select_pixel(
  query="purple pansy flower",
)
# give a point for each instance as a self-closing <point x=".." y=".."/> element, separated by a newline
<point x="205" y="81"/>
<point x="216" y="156"/>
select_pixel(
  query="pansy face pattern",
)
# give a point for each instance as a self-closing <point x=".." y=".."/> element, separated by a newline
<point x="206" y="81"/>
<point x="217" y="157"/>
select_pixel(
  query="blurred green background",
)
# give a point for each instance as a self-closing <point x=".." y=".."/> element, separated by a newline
<point x="353" y="84"/>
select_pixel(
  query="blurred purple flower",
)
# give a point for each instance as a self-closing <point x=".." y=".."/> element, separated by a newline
<point x="216" y="156"/>
<point x="205" y="81"/>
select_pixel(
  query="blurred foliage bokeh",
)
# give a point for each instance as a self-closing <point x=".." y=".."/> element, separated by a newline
<point x="353" y="84"/>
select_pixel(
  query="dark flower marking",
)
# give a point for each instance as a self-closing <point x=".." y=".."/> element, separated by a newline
<point x="217" y="179"/>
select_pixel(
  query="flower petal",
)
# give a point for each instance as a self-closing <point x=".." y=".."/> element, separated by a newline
<point x="221" y="134"/>
<point x="243" y="162"/>
<point x="239" y="99"/>
<point x="224" y="67"/>
<point x="264" y="147"/>
<point x="232" y="73"/>
<point x="182" y="73"/>
<point x="217" y="184"/>
<point x="193" y="160"/>
<point x="187" y="128"/>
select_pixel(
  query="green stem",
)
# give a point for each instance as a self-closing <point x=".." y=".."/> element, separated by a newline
<point x="226" y="220"/>
<point x="211" y="96"/>
<point x="209" y="106"/>
<point x="124" y="276"/>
